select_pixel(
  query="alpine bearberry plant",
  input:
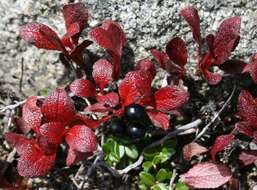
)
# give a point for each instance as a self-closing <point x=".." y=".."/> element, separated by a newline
<point x="126" y="124"/>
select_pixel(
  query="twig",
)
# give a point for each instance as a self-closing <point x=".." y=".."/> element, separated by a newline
<point x="75" y="183"/>
<point x="21" y="78"/>
<point x="110" y="169"/>
<point x="170" y="135"/>
<point x="15" y="105"/>
<point x="12" y="106"/>
<point x="216" y="115"/>
<point x="173" y="177"/>
<point x="92" y="167"/>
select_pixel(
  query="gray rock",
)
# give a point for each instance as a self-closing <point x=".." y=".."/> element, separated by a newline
<point x="147" y="24"/>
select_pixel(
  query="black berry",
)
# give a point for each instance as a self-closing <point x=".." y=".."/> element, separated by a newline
<point x="136" y="131"/>
<point x="136" y="113"/>
<point x="117" y="127"/>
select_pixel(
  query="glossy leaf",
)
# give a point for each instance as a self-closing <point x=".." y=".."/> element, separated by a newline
<point x="146" y="178"/>
<point x="163" y="175"/>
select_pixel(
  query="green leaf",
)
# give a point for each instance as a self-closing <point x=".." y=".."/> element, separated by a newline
<point x="147" y="165"/>
<point x="113" y="157"/>
<point x="142" y="187"/>
<point x="119" y="150"/>
<point x="108" y="146"/>
<point x="181" y="186"/>
<point x="146" y="179"/>
<point x="160" y="158"/>
<point x="162" y="175"/>
<point x="160" y="186"/>
<point x="131" y="152"/>
<point x="150" y="154"/>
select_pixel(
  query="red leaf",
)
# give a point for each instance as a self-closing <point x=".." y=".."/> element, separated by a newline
<point x="135" y="88"/>
<point x="98" y="107"/>
<point x="32" y="162"/>
<point x="221" y="143"/>
<point x="75" y="14"/>
<point x="111" y="99"/>
<point x="248" y="157"/>
<point x="41" y="36"/>
<point x="81" y="138"/>
<point x="83" y="88"/>
<point x="20" y="142"/>
<point x="146" y="66"/>
<point x="193" y="149"/>
<point x="245" y="128"/>
<point x="73" y="32"/>
<point x="53" y="132"/>
<point x="35" y="163"/>
<point x="233" y="66"/>
<point x="247" y="107"/>
<point x="170" y="98"/>
<point x="190" y="14"/>
<point x="212" y="78"/>
<point x="177" y="51"/>
<point x="204" y="65"/>
<point x="58" y="107"/>
<point x="110" y="36"/>
<point x="31" y="114"/>
<point x="75" y="156"/>
<point x="101" y="37"/>
<point x="77" y="54"/>
<point x="159" y="119"/>
<point x="102" y="73"/>
<point x="252" y="68"/>
<point x="207" y="175"/>
<point x="226" y="38"/>
<point x="210" y="42"/>
<point x="161" y="57"/>
<point x="234" y="184"/>
<point x="83" y="119"/>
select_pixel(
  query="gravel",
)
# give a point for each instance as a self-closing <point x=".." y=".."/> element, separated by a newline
<point x="148" y="24"/>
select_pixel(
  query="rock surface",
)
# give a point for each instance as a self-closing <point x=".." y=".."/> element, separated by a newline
<point x="149" y="23"/>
